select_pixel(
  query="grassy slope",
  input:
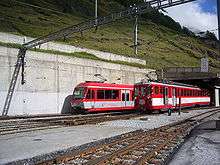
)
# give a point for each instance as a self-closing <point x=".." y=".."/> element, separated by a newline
<point x="160" y="46"/>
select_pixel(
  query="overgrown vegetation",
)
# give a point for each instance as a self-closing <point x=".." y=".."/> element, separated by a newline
<point x="163" y="42"/>
<point x="75" y="54"/>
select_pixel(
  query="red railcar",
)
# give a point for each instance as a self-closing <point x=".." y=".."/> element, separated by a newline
<point x="97" y="96"/>
<point x="152" y="96"/>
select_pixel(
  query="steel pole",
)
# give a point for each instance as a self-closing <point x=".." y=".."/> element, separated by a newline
<point x="96" y="11"/>
<point x="218" y="12"/>
<point x="136" y="35"/>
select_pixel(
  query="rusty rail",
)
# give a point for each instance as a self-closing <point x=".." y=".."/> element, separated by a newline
<point x="32" y="124"/>
<point x="139" y="147"/>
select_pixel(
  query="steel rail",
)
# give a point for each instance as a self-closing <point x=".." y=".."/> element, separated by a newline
<point x="26" y="125"/>
<point x="141" y="147"/>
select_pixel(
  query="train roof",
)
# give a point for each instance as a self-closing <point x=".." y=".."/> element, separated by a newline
<point x="169" y="83"/>
<point x="105" y="85"/>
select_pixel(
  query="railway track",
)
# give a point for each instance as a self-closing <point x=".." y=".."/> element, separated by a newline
<point x="138" y="147"/>
<point x="27" y="124"/>
<point x="19" y="124"/>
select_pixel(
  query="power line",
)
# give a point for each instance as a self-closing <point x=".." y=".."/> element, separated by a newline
<point x="140" y="9"/>
<point x="38" y="7"/>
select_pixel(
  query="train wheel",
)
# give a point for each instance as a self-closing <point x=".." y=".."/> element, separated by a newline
<point x="148" y="112"/>
<point x="160" y="111"/>
<point x="141" y="111"/>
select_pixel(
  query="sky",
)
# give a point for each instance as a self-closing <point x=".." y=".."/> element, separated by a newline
<point x="200" y="15"/>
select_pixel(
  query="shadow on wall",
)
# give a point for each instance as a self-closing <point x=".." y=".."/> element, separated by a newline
<point x="66" y="109"/>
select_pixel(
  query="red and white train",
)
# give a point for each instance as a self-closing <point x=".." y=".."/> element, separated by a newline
<point x="152" y="96"/>
<point x="146" y="97"/>
<point x="97" y="96"/>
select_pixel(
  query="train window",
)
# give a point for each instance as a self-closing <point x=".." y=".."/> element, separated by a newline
<point x="123" y="96"/>
<point x="149" y="90"/>
<point x="88" y="95"/>
<point x="166" y="91"/>
<point x="78" y="93"/>
<point x="176" y="92"/>
<point x="196" y="93"/>
<point x="127" y="96"/>
<point x="93" y="94"/>
<point x="100" y="94"/>
<point x="161" y="90"/>
<point x="115" y="94"/>
<point x="132" y="95"/>
<point x="156" y="90"/>
<point x="108" y="94"/>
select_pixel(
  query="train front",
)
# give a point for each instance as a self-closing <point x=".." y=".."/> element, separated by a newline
<point x="78" y="101"/>
<point x="143" y="100"/>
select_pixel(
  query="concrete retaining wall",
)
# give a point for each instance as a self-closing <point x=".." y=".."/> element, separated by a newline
<point x="10" y="38"/>
<point x="50" y="78"/>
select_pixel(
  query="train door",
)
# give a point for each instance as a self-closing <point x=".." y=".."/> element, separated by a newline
<point x="125" y="95"/>
<point x="91" y="98"/>
<point x="165" y="96"/>
<point x="174" y="99"/>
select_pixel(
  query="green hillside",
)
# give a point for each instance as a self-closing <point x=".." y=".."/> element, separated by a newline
<point x="162" y="41"/>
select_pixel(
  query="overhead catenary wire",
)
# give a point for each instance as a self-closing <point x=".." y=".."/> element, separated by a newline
<point x="139" y="9"/>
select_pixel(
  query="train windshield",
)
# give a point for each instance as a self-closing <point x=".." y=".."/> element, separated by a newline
<point x="143" y="90"/>
<point x="79" y="93"/>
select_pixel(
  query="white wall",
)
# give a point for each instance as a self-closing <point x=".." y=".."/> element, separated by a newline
<point x="50" y="78"/>
<point x="217" y="97"/>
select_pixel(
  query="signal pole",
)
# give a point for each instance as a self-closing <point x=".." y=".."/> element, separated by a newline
<point x="96" y="13"/>
<point x="136" y="31"/>
<point x="136" y="35"/>
<point x="218" y="12"/>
